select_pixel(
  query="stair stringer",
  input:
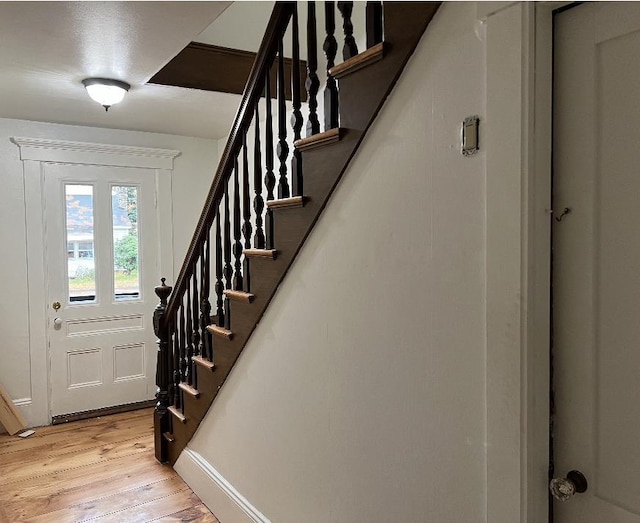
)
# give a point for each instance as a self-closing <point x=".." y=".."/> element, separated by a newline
<point x="362" y="95"/>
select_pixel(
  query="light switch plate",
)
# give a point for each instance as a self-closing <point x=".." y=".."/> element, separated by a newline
<point x="470" y="142"/>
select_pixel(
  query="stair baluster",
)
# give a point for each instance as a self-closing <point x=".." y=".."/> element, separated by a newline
<point x="374" y="23"/>
<point x="350" y="49"/>
<point x="296" y="115"/>
<point x="205" y="305"/>
<point x="246" y="213"/>
<point x="312" y="83"/>
<point x="269" y="177"/>
<point x="175" y="396"/>
<point x="283" y="148"/>
<point x="188" y="352"/>
<point x="195" y="329"/>
<point x="183" y="354"/>
<point x="258" y="202"/>
<point x="330" y="48"/>
<point x="219" y="287"/>
<point x="171" y="355"/>
<point x="237" y="227"/>
<point x="228" y="269"/>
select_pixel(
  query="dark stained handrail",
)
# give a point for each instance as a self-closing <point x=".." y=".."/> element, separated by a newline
<point x="280" y="16"/>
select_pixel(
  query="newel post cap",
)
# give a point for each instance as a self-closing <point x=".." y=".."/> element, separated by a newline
<point x="163" y="291"/>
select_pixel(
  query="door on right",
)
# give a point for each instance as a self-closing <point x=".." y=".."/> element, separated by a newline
<point x="596" y="260"/>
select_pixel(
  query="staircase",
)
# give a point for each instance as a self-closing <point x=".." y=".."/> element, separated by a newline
<point x="249" y="232"/>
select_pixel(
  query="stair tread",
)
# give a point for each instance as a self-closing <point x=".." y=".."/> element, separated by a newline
<point x="203" y="362"/>
<point x="239" y="295"/>
<point x="318" y="140"/>
<point x="286" y="203"/>
<point x="260" y="253"/>
<point x="192" y="391"/>
<point x="177" y="413"/>
<point x="220" y="331"/>
<point x="371" y="55"/>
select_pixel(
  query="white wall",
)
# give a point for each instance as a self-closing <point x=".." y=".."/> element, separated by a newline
<point x="361" y="394"/>
<point x="191" y="177"/>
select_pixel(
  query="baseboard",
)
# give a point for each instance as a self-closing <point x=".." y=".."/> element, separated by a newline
<point x="227" y="504"/>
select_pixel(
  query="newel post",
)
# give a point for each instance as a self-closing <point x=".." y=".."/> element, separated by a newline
<point x="161" y="415"/>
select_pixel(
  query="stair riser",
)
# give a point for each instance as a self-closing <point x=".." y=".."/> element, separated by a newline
<point x="402" y="21"/>
<point x="197" y="407"/>
<point x="181" y="432"/>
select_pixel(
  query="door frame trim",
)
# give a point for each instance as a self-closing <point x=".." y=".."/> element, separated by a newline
<point x="64" y="151"/>
<point x="519" y="71"/>
<point x="35" y="153"/>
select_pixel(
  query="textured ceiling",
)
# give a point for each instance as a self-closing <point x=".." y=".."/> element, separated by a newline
<point x="47" y="48"/>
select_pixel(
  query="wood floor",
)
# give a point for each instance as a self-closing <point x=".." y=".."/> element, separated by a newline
<point x="100" y="470"/>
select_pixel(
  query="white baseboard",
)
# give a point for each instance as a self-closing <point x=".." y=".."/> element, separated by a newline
<point x="226" y="503"/>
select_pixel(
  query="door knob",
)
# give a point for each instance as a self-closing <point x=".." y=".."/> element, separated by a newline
<point x="56" y="305"/>
<point x="57" y="323"/>
<point x="564" y="488"/>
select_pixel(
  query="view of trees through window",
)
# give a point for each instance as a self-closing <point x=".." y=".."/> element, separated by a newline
<point x="81" y="244"/>
<point x="124" y="202"/>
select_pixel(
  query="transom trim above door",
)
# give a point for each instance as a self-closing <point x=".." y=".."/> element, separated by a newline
<point x="46" y="150"/>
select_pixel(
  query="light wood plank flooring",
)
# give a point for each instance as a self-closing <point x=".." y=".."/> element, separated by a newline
<point x="100" y="470"/>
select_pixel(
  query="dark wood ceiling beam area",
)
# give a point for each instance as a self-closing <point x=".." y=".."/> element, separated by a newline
<point x="214" y="68"/>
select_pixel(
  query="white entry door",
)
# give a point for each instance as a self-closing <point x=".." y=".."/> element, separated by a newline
<point x="101" y="256"/>
<point x="596" y="260"/>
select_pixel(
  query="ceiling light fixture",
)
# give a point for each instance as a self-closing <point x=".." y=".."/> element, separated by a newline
<point x="105" y="91"/>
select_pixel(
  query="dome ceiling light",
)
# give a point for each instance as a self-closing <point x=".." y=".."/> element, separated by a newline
<point x="105" y="91"/>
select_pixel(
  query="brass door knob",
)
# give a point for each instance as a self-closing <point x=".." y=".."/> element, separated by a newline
<point x="56" y="305"/>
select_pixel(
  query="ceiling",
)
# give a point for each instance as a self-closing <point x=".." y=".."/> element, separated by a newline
<point x="48" y="48"/>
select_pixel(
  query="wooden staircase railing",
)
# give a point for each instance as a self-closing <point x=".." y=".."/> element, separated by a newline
<point x="244" y="242"/>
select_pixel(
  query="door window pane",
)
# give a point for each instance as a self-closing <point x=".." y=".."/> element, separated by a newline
<point x="81" y="270"/>
<point x="126" y="242"/>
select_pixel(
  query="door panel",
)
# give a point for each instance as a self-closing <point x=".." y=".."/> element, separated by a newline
<point x="101" y="248"/>
<point x="596" y="284"/>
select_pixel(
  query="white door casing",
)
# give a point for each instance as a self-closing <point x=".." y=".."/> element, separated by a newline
<point x="101" y="341"/>
<point x="35" y="154"/>
<point x="516" y="134"/>
<point x="597" y="260"/>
